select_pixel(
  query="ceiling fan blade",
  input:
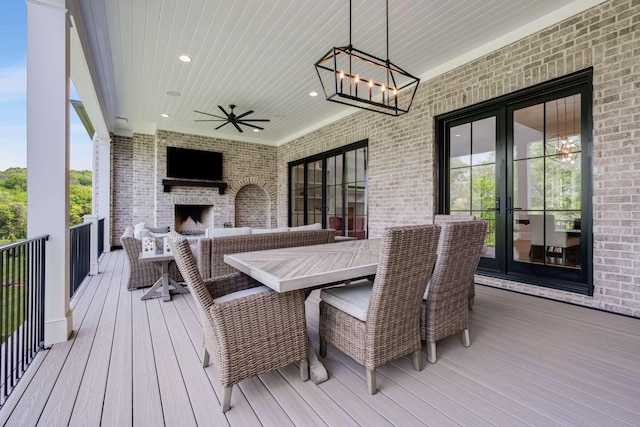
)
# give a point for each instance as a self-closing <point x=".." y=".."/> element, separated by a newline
<point x="254" y="120"/>
<point x="236" y="125"/>
<point x="225" y="123"/>
<point x="223" y="110"/>
<point x="253" y="126"/>
<point x="211" y="120"/>
<point x="244" y="114"/>
<point x="212" y="115"/>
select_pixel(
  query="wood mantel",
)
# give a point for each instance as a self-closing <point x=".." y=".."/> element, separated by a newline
<point x="172" y="182"/>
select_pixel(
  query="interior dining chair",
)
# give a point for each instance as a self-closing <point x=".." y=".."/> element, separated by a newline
<point x="248" y="328"/>
<point x="441" y="219"/>
<point x="545" y="237"/>
<point x="376" y="322"/>
<point x="444" y="307"/>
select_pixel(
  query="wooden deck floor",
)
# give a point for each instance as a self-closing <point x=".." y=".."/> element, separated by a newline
<point x="532" y="362"/>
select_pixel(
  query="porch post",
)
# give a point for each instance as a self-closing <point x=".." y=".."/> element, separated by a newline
<point x="93" y="244"/>
<point x="48" y="155"/>
<point x="104" y="188"/>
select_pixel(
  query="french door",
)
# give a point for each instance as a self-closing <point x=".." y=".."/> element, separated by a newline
<point x="331" y="189"/>
<point x="522" y="164"/>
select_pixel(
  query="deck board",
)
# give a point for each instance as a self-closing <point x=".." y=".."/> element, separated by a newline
<point x="532" y="362"/>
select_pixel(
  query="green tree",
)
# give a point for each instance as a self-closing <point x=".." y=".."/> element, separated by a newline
<point x="13" y="201"/>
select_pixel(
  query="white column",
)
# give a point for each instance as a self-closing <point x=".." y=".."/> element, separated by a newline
<point x="104" y="189"/>
<point x="93" y="244"/>
<point x="48" y="155"/>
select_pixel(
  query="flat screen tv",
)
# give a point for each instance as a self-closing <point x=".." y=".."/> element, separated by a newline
<point x="184" y="163"/>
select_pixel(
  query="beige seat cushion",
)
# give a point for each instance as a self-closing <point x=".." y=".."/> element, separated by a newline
<point x="269" y="230"/>
<point x="353" y="299"/>
<point x="240" y="294"/>
<point x="316" y="226"/>
<point x="221" y="232"/>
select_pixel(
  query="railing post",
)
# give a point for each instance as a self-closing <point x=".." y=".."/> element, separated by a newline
<point x="93" y="246"/>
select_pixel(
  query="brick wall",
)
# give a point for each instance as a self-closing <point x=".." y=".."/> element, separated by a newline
<point x="251" y="207"/>
<point x="138" y="194"/>
<point x="401" y="150"/>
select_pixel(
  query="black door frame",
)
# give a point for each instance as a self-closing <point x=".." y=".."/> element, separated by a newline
<point x="577" y="281"/>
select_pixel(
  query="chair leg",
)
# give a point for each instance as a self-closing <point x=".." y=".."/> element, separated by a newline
<point x="371" y="381"/>
<point x="417" y="360"/>
<point x="465" y="338"/>
<point x="304" y="369"/>
<point x="226" y="398"/>
<point x="431" y="352"/>
<point x="205" y="358"/>
<point x="323" y="347"/>
<point x="471" y="301"/>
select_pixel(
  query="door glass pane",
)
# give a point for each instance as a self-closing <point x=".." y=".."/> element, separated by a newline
<point x="483" y="183"/>
<point x="528" y="184"/>
<point x="334" y="194"/>
<point x="460" y="137"/>
<point x="314" y="192"/>
<point x="547" y="186"/>
<point x="472" y="174"/>
<point x="297" y="195"/>
<point x="460" y="190"/>
<point x="355" y="184"/>
<point x="528" y="132"/>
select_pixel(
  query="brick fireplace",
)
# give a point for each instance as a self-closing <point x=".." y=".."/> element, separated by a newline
<point x="193" y="219"/>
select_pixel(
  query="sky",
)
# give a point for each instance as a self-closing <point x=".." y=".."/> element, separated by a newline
<point x="13" y="95"/>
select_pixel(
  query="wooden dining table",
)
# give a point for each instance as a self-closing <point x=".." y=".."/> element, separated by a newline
<point x="304" y="267"/>
<point x="310" y="267"/>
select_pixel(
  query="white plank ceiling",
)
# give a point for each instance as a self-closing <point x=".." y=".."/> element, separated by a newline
<point x="259" y="54"/>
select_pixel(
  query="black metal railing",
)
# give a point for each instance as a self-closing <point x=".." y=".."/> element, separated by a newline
<point x="79" y="256"/>
<point x="100" y="236"/>
<point x="22" y="289"/>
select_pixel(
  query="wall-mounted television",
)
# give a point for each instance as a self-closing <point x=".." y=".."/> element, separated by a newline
<point x="184" y="163"/>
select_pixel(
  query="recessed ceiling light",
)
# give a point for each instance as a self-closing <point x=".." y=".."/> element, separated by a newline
<point x="165" y="115"/>
<point x="173" y="93"/>
<point x="314" y="93"/>
<point x="184" y="58"/>
<point x="256" y="130"/>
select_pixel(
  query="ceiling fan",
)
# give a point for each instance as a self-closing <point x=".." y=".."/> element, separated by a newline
<point x="232" y="118"/>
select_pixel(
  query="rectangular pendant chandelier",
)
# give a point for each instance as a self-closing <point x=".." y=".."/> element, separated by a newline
<point x="352" y="77"/>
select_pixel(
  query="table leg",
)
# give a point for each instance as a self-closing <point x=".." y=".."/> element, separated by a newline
<point x="317" y="372"/>
<point x="161" y="288"/>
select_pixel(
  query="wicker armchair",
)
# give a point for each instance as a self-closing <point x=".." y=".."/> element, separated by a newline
<point x="442" y="219"/>
<point x="377" y="322"/>
<point x="248" y="328"/>
<point x="141" y="274"/>
<point x="444" y="309"/>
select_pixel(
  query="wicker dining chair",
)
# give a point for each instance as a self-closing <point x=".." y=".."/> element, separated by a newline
<point x="442" y="219"/>
<point x="444" y="308"/>
<point x="248" y="328"/>
<point x="377" y="322"/>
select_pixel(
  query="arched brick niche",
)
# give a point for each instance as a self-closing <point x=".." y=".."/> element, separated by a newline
<point x="252" y="203"/>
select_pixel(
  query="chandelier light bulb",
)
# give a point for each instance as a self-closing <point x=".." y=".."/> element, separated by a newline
<point x="341" y="74"/>
<point x="357" y="79"/>
<point x="371" y="83"/>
